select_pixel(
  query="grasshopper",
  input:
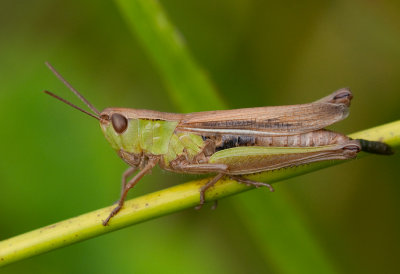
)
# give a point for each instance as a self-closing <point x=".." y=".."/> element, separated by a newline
<point x="230" y="143"/>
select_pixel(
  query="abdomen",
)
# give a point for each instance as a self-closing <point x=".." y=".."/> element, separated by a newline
<point x="321" y="137"/>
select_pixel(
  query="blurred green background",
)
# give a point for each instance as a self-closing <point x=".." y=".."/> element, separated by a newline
<point x="55" y="163"/>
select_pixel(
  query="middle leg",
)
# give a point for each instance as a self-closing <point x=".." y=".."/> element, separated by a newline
<point x="221" y="169"/>
<point x="204" y="188"/>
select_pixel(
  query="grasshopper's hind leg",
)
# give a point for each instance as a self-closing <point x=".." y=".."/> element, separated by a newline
<point x="248" y="182"/>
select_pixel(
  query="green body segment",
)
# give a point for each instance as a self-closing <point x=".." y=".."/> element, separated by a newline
<point x="156" y="137"/>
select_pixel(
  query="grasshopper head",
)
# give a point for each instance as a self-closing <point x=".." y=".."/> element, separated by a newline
<point x="114" y="124"/>
<point x="114" y="118"/>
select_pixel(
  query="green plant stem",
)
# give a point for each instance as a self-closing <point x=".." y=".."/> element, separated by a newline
<point x="157" y="204"/>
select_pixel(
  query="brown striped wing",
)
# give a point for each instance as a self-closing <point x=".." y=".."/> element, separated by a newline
<point x="270" y="121"/>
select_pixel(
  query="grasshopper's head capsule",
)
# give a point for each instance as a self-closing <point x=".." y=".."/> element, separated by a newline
<point x="120" y="130"/>
<point x="118" y="121"/>
<point x="113" y="124"/>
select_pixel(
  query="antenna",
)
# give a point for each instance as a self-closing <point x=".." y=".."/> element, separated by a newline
<point x="72" y="105"/>
<point x="80" y="96"/>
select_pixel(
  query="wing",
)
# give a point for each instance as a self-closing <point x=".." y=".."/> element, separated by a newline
<point x="270" y="121"/>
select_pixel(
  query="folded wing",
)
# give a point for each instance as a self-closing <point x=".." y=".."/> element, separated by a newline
<point x="271" y="121"/>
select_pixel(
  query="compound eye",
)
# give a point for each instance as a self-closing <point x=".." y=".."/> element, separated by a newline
<point x="119" y="123"/>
